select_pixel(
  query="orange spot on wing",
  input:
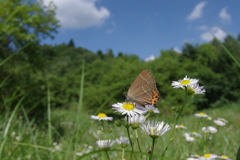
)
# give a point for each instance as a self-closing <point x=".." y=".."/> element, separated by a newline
<point x="155" y="97"/>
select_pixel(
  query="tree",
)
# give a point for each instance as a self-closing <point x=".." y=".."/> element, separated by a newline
<point x="71" y="43"/>
<point x="100" y="54"/>
<point x="21" y="23"/>
<point x="110" y="54"/>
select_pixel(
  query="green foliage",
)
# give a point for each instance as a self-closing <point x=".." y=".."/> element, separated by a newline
<point x="30" y="21"/>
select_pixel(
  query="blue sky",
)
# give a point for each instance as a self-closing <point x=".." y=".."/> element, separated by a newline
<point x="144" y="27"/>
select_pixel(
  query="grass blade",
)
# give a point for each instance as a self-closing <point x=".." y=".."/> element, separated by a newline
<point x="31" y="131"/>
<point x="238" y="154"/>
<point x="49" y="119"/>
<point x="8" y="126"/>
<point x="79" y="108"/>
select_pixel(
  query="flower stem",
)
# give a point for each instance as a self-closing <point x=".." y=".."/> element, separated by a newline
<point x="123" y="152"/>
<point x="138" y="144"/>
<point x="176" y="121"/>
<point x="107" y="155"/>
<point x="153" y="141"/>
<point x="132" y="152"/>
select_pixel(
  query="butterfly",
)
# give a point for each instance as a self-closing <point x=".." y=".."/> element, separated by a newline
<point x="143" y="90"/>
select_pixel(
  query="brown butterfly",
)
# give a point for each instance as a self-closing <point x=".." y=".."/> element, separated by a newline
<point x="143" y="90"/>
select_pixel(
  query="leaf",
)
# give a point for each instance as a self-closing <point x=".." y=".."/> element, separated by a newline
<point x="238" y="154"/>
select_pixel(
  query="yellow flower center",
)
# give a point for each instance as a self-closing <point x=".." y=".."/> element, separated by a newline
<point x="128" y="106"/>
<point x="182" y="125"/>
<point x="196" y="155"/>
<point x="207" y="155"/>
<point x="223" y="156"/>
<point x="185" y="82"/>
<point x="194" y="132"/>
<point x="152" y="131"/>
<point x="102" y="115"/>
<point x="201" y="114"/>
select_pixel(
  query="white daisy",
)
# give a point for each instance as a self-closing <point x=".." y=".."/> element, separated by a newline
<point x="152" y="109"/>
<point x="127" y="109"/>
<point x="189" y="139"/>
<point x="192" y="158"/>
<point x="101" y="116"/>
<point x="17" y="138"/>
<point x="224" y="157"/>
<point x="195" y="155"/>
<point x="185" y="82"/>
<point x="196" y="134"/>
<point x="181" y="126"/>
<point x="105" y="144"/>
<point x="135" y="120"/>
<point x="186" y="135"/>
<point x="196" y="89"/>
<point x="154" y="128"/>
<point x="222" y="119"/>
<point x="208" y="157"/>
<point x="123" y="141"/>
<point x="209" y="118"/>
<point x="209" y="129"/>
<point x="201" y="114"/>
<point x="219" y="122"/>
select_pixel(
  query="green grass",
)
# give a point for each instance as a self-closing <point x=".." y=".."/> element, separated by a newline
<point x="34" y="141"/>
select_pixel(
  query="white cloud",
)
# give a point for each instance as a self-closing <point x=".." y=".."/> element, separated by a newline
<point x="151" y="58"/>
<point x="79" y="13"/>
<point x="197" y="11"/>
<point x="226" y="17"/>
<point x="217" y="32"/>
<point x="202" y="28"/>
<point x="177" y="50"/>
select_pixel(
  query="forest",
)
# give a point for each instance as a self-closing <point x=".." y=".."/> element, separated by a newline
<point x="31" y="71"/>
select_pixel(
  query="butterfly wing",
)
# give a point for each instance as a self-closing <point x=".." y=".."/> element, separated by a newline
<point x="143" y="90"/>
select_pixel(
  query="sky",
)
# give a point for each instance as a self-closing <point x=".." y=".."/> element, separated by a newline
<point x="141" y="27"/>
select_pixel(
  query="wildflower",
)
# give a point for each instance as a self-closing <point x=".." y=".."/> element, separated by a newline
<point x="127" y="108"/>
<point x="186" y="135"/>
<point x="224" y="157"/>
<point x="105" y="144"/>
<point x="18" y="138"/>
<point x="123" y="142"/>
<point x="219" y="122"/>
<point x="196" y="134"/>
<point x="192" y="158"/>
<point x="13" y="134"/>
<point x="208" y="157"/>
<point x="209" y="129"/>
<point x="181" y="126"/>
<point x="135" y="120"/>
<point x="195" y="155"/>
<point x="189" y="139"/>
<point x="101" y="116"/>
<point x="154" y="128"/>
<point x="195" y="89"/>
<point x="201" y="114"/>
<point x="151" y="109"/>
<point x="212" y="130"/>
<point x="209" y="118"/>
<point x="223" y="120"/>
<point x="185" y="82"/>
<point x="57" y="147"/>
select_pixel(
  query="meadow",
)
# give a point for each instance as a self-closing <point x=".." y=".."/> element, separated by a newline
<point x="50" y="93"/>
<point x="69" y="136"/>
